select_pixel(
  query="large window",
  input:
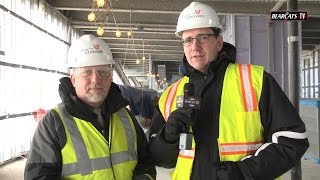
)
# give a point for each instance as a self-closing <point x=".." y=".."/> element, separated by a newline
<point x="310" y="75"/>
<point x="33" y="55"/>
<point x="34" y="43"/>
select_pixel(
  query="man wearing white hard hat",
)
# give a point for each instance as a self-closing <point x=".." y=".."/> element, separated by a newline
<point x="90" y="134"/>
<point x="244" y="126"/>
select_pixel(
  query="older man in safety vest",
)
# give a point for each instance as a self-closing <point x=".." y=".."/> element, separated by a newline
<point x="90" y="135"/>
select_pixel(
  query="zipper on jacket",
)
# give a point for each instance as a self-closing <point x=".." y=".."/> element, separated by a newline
<point x="203" y="85"/>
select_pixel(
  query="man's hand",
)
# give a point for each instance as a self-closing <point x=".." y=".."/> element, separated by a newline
<point x="178" y="121"/>
<point x="228" y="170"/>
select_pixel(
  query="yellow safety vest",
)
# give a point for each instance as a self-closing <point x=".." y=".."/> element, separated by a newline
<point x="240" y="128"/>
<point x="88" y="155"/>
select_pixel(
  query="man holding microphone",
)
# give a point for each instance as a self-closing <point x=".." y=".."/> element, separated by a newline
<point x="245" y="127"/>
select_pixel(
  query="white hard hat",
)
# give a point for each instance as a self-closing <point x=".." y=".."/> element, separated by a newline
<point x="89" y="50"/>
<point x="197" y="15"/>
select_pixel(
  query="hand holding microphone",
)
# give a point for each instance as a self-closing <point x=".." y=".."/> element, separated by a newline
<point x="181" y="119"/>
<point x="178" y="122"/>
<point x="188" y="100"/>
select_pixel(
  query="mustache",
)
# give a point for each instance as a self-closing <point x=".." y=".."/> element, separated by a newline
<point x="96" y="86"/>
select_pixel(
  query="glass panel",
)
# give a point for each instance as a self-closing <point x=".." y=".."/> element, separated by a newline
<point x="302" y="79"/>
<point x="311" y="77"/>
<point x="311" y="92"/>
<point x="36" y="89"/>
<point x="306" y="78"/>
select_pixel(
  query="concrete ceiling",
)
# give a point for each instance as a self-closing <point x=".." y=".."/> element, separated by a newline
<point x="153" y="24"/>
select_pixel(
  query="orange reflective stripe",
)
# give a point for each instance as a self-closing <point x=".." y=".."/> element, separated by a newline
<point x="253" y="91"/>
<point x="242" y="89"/>
<point x="247" y="90"/>
<point x="188" y="154"/>
<point x="170" y="99"/>
<point x="239" y="148"/>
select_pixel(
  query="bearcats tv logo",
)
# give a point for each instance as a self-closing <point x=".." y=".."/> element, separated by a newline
<point x="289" y="16"/>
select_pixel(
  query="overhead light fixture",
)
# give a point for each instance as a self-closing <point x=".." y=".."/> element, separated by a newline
<point x="118" y="33"/>
<point x="100" y="3"/>
<point x="129" y="33"/>
<point x="100" y="11"/>
<point x="92" y="16"/>
<point x="137" y="61"/>
<point x="143" y="57"/>
<point x="100" y="31"/>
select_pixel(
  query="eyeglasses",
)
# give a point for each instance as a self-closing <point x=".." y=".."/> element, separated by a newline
<point x="103" y="72"/>
<point x="201" y="38"/>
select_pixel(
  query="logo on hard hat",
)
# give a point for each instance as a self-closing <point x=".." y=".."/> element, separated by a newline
<point x="96" y="46"/>
<point x="95" y="49"/>
<point x="197" y="11"/>
<point x="197" y="14"/>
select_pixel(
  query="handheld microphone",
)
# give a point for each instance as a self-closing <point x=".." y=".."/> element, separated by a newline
<point x="188" y="100"/>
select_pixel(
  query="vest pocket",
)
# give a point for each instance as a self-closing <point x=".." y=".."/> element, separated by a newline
<point x="240" y="136"/>
<point x="249" y="126"/>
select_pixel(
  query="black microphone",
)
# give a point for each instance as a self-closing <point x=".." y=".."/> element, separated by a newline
<point x="189" y="101"/>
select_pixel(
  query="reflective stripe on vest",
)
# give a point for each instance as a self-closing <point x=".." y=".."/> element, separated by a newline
<point x="85" y="165"/>
<point x="189" y="154"/>
<point x="247" y="79"/>
<point x="248" y="93"/>
<point x="239" y="148"/>
<point x="246" y="115"/>
<point x="168" y="98"/>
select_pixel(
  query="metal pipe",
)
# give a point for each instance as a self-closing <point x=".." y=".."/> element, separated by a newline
<point x="133" y="31"/>
<point x="125" y="24"/>
<point x="150" y="71"/>
<point x="120" y="10"/>
<point x="277" y="6"/>
<point x="132" y="59"/>
<point x="148" y="50"/>
<point x="150" y="11"/>
<point x="293" y="71"/>
<point x="141" y="39"/>
<point x="93" y="26"/>
<point x="149" y="45"/>
<point x="121" y="74"/>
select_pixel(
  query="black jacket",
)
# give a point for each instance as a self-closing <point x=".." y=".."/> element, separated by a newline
<point x="50" y="136"/>
<point x="277" y="114"/>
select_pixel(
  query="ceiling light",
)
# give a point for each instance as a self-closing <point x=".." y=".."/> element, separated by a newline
<point x="100" y="3"/>
<point x="118" y="33"/>
<point x="100" y="31"/>
<point x="129" y="33"/>
<point x="143" y="57"/>
<point x="92" y="16"/>
<point x="100" y="11"/>
<point x="137" y="61"/>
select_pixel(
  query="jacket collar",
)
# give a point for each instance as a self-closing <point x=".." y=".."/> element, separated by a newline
<point x="78" y="108"/>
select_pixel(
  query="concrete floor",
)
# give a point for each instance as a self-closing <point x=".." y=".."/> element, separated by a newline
<point x="14" y="171"/>
<point x="310" y="171"/>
